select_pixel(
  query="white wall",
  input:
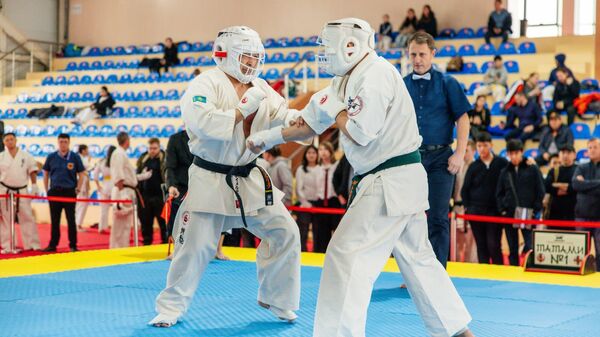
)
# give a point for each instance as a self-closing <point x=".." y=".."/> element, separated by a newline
<point x="37" y="19"/>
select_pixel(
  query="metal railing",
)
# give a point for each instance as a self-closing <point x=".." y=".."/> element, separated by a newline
<point x="15" y="58"/>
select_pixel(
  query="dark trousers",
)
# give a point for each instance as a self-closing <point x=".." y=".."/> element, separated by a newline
<point x="441" y="183"/>
<point x="152" y="209"/>
<point x="56" y="209"/>
<point x="239" y="237"/>
<point x="489" y="34"/>
<point x="518" y="133"/>
<point x="512" y="237"/>
<point x="324" y="225"/>
<point x="487" y="237"/>
<point x="304" y="220"/>
<point x="571" y="112"/>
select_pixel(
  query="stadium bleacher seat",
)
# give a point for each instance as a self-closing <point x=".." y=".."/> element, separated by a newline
<point x="486" y="65"/>
<point x="470" y="68"/>
<point x="465" y="33"/>
<point x="172" y="94"/>
<point x="447" y="33"/>
<point x="96" y="65"/>
<point x="503" y="153"/>
<point x="88" y="96"/>
<point x="106" y="131"/>
<point x="581" y="131"/>
<point x="596" y="133"/>
<point x="474" y="86"/>
<point x="162" y="112"/>
<point x="48" y="80"/>
<point x="486" y="49"/>
<point x="527" y="47"/>
<point x="167" y="130"/>
<point x="35" y="150"/>
<point x="583" y="156"/>
<point x="447" y="51"/>
<point x="74" y="97"/>
<point x="272" y="74"/>
<point x="589" y="85"/>
<point x="497" y="109"/>
<point x="512" y="66"/>
<point x="152" y="130"/>
<point x="271" y="43"/>
<point x="481" y="32"/>
<point x="90" y="131"/>
<point x="183" y="47"/>
<point x="156" y="95"/>
<point x="467" y="50"/>
<point x="71" y="66"/>
<point x="34" y="131"/>
<point x="309" y="56"/>
<point x="507" y="48"/>
<point x="126" y="78"/>
<point x="176" y="112"/>
<point x="531" y="153"/>
<point x="60" y="80"/>
<point x="136" y="130"/>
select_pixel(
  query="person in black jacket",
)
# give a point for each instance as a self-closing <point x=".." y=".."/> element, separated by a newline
<point x="586" y="182"/>
<point x="427" y="22"/>
<point x="479" y="117"/>
<point x="177" y="163"/>
<point x="342" y="178"/>
<point x="499" y="23"/>
<point x="554" y="137"/>
<point x="170" y="57"/>
<point x="565" y="92"/>
<point x="478" y="197"/>
<point x="519" y="185"/>
<point x="102" y="107"/>
<point x="152" y="160"/>
<point x="408" y="27"/>
<point x="560" y="198"/>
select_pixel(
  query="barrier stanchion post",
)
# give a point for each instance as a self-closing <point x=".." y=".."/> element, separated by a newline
<point x="453" y="236"/>
<point x="135" y="222"/>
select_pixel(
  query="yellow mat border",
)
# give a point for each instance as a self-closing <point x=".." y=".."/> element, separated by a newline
<point x="52" y="263"/>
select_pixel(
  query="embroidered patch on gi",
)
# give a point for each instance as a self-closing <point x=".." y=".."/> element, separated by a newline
<point x="70" y="166"/>
<point x="181" y="232"/>
<point x="186" y="217"/>
<point x="244" y="100"/>
<point x="323" y="100"/>
<point x="199" y="99"/>
<point x="355" y="105"/>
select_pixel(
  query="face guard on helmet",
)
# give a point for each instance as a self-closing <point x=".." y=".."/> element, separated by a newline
<point x="344" y="43"/>
<point x="238" y="51"/>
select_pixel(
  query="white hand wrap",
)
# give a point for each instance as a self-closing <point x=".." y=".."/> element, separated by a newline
<point x="251" y="101"/>
<point x="267" y="139"/>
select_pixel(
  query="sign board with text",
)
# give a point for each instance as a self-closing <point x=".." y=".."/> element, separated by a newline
<point x="560" y="252"/>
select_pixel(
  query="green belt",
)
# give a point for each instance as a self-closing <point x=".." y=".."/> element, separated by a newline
<point x="401" y="160"/>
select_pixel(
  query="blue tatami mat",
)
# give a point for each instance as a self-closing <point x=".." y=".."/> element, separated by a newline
<point x="119" y="300"/>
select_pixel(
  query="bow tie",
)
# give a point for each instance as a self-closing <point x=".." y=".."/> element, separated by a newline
<point x="426" y="76"/>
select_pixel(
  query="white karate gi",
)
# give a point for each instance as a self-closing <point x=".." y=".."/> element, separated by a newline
<point x="15" y="172"/>
<point x="208" y="110"/>
<point x="387" y="214"/>
<point x="104" y="193"/>
<point x="122" y="169"/>
<point x="81" y="207"/>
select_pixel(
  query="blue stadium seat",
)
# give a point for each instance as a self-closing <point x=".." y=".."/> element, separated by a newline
<point x="106" y="131"/>
<point x="172" y="94"/>
<point x="157" y="95"/>
<point x="446" y="51"/>
<point x="470" y="68"/>
<point x="583" y="156"/>
<point x="299" y="74"/>
<point x="292" y="57"/>
<point x="167" y="77"/>
<point x="188" y="62"/>
<point x="48" y="80"/>
<point x="392" y="54"/>
<point x="176" y="112"/>
<point x="74" y="97"/>
<point x="62" y="129"/>
<point x="132" y="64"/>
<point x="85" y="80"/>
<point x="98" y="79"/>
<point x="297" y="41"/>
<point x="596" y="131"/>
<point x="181" y="128"/>
<point x="272" y="74"/>
<point x="60" y="98"/>
<point x="121" y="128"/>
<point x="21" y="130"/>
<point x="181" y="77"/>
<point x="119" y="50"/>
<point x="152" y="131"/>
<point x="497" y="109"/>
<point x="323" y="74"/>
<point x="109" y="64"/>
<point x="141" y="96"/>
<point x="527" y="47"/>
<point x="118" y="112"/>
<point x="125" y="78"/>
<point x="503" y="153"/>
<point x="486" y="49"/>
<point x="465" y="33"/>
<point x="507" y="48"/>
<point x="467" y="50"/>
<point x="157" y="48"/>
<point x="139" y="150"/>
<point x="91" y="131"/>
<point x="531" y="153"/>
<point x="60" y="80"/>
<point x="47" y="149"/>
<point x="34" y="131"/>
<point x="148" y="112"/>
<point x="276" y="58"/>
<point x="486" y="65"/>
<point x="311" y="41"/>
<point x="162" y="112"/>
<point x="447" y="33"/>
<point x="84" y="65"/>
<point x="9" y="113"/>
<point x="309" y="56"/>
<point x="107" y="51"/>
<point x="581" y="131"/>
<point x="167" y="130"/>
<point x="548" y="105"/>
<point x="208" y="46"/>
<point x="139" y="78"/>
<point x="136" y="131"/>
<point x="128" y="95"/>
<point x="283" y="42"/>
<point x="35" y="150"/>
<point x="71" y="66"/>
<point x="205" y="61"/>
<point x="94" y="51"/>
<point x="590" y="82"/>
<point x="49" y="131"/>
<point x="21" y="113"/>
<point x="88" y="97"/>
<point x="73" y="80"/>
<point x="196" y="46"/>
<point x="96" y="65"/>
<point x="112" y="78"/>
<point x="95" y="150"/>
<point x="184" y="47"/>
<point x="512" y="66"/>
<point x="481" y="32"/>
<point x="76" y="130"/>
<point x="117" y="96"/>
<point x="474" y="86"/>
<point x="153" y="78"/>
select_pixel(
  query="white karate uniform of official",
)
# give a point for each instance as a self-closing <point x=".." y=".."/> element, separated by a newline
<point x="81" y="207"/>
<point x="15" y="172"/>
<point x="104" y="193"/>
<point x="122" y="169"/>
<point x="208" y="110"/>
<point x="388" y="212"/>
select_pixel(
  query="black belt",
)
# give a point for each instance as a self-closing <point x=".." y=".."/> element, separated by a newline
<point x="137" y="192"/>
<point x="426" y="148"/>
<point x="238" y="171"/>
<point x="13" y="189"/>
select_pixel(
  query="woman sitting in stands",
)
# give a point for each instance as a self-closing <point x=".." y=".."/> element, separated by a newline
<point x="102" y="107"/>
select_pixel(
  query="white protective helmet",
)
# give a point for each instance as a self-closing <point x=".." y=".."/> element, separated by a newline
<point x="336" y="57"/>
<point x="231" y="45"/>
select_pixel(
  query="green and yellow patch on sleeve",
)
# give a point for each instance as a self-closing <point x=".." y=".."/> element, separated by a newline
<point x="199" y="99"/>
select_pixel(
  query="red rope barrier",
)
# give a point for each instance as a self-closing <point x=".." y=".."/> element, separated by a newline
<point x="318" y="210"/>
<point x="557" y="223"/>
<point x="66" y="199"/>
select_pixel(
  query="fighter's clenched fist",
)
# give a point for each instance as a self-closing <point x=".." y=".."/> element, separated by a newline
<point x="251" y="101"/>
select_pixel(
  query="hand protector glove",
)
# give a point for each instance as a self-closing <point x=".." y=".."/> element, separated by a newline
<point x="266" y="139"/>
<point x="323" y="108"/>
<point x="251" y="101"/>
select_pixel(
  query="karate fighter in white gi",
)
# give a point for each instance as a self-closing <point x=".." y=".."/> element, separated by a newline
<point x="370" y="104"/>
<point x="16" y="168"/>
<point x="220" y="108"/>
<point x="124" y="188"/>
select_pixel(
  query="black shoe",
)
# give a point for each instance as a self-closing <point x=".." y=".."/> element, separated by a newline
<point x="74" y="249"/>
<point x="49" y="249"/>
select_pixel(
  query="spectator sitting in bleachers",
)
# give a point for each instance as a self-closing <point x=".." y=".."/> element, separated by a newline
<point x="548" y="91"/>
<point x="170" y="57"/>
<point x="196" y="72"/>
<point x="520" y="194"/>
<point x="408" y="27"/>
<point x="529" y="115"/>
<point x="495" y="80"/>
<point x="554" y="161"/>
<point x="479" y="117"/>
<point x="559" y="201"/>
<point x="499" y="23"/>
<point x="531" y="87"/>
<point x="586" y="182"/>
<point x="554" y="137"/>
<point x="427" y="22"/>
<point x="385" y="34"/>
<point x="102" y="107"/>
<point x="565" y="93"/>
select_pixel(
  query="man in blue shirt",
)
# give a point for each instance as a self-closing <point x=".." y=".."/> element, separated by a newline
<point x="440" y="104"/>
<point x="66" y="173"/>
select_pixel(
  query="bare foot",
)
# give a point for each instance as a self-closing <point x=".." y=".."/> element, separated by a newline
<point x="222" y="257"/>
<point x="467" y="333"/>
<point x="403" y="286"/>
